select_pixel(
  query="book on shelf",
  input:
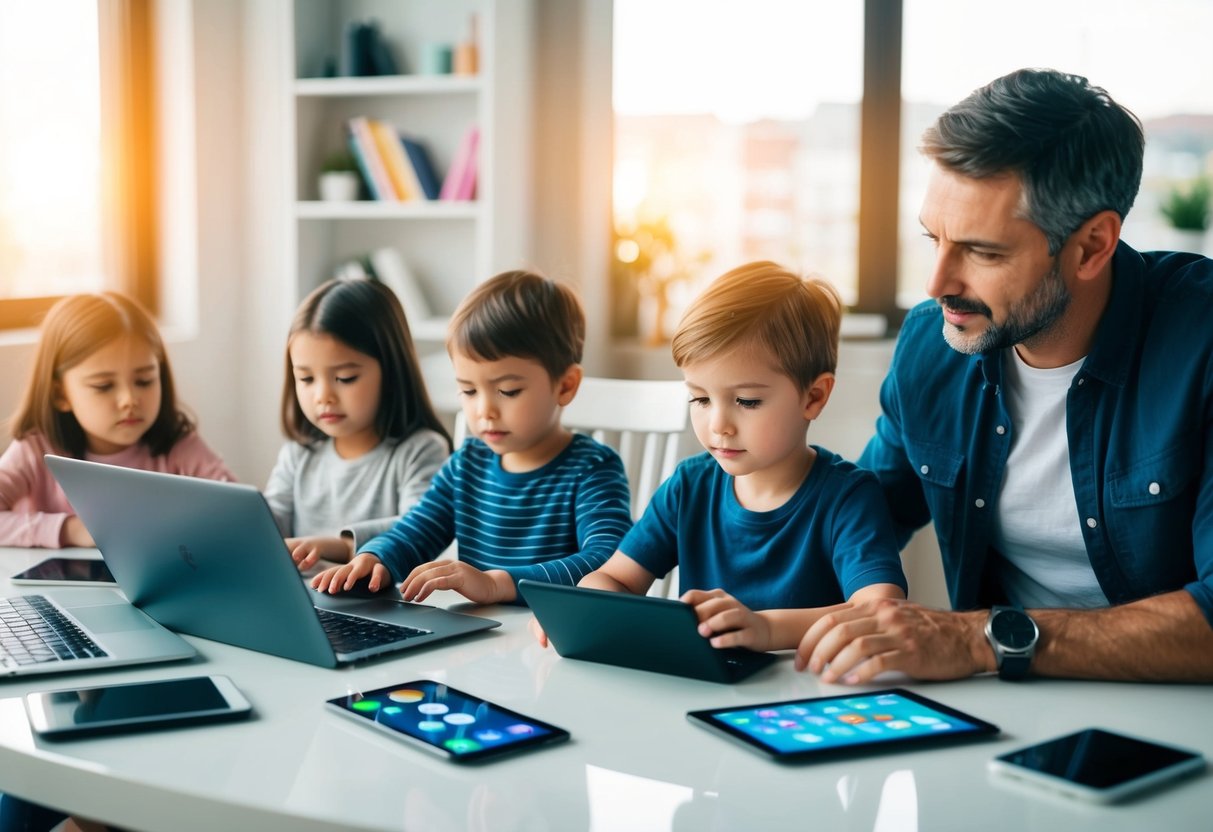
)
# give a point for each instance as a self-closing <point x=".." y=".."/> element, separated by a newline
<point x="365" y="51"/>
<point x="399" y="168"/>
<point x="460" y="182"/>
<point x="390" y="269"/>
<point x="370" y="162"/>
<point x="423" y="167"/>
<point x="387" y="266"/>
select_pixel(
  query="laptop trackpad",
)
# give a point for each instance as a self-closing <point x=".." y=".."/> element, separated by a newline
<point x="111" y="618"/>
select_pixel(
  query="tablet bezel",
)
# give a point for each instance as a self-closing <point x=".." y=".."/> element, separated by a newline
<point x="29" y="575"/>
<point x="706" y="718"/>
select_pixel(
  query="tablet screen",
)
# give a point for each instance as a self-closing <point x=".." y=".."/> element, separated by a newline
<point x="66" y="570"/>
<point x="807" y="728"/>
<point x="456" y="723"/>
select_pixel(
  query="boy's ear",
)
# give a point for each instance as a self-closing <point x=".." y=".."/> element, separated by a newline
<point x="568" y="384"/>
<point x="816" y="395"/>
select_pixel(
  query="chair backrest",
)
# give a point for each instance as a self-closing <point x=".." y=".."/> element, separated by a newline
<point x="643" y="420"/>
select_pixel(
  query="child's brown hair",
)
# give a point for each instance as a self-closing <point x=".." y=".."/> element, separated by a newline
<point x="520" y="314"/>
<point x="795" y="319"/>
<point x="73" y="329"/>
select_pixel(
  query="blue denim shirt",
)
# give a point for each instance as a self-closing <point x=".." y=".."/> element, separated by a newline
<point x="1139" y="416"/>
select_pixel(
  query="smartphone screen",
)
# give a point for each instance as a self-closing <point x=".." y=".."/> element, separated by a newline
<point x="66" y="571"/>
<point x="458" y="725"/>
<point x="135" y="704"/>
<point x="1098" y="764"/>
<point x="803" y="730"/>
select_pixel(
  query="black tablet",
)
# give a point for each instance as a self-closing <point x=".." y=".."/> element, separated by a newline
<point x="804" y="730"/>
<point x="73" y="571"/>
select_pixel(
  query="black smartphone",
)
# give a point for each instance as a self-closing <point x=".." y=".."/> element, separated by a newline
<point x="73" y="571"/>
<point x="828" y="727"/>
<point x="456" y="725"/>
<point x="1098" y="765"/>
<point x="75" y="712"/>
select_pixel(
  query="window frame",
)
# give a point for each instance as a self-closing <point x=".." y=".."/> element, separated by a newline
<point x="129" y="154"/>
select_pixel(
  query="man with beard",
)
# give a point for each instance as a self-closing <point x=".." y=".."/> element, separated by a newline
<point x="1060" y="434"/>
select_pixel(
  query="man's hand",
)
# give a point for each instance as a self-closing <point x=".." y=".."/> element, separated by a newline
<point x="855" y="643"/>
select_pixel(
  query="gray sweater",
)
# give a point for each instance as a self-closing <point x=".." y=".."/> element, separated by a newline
<point x="313" y="491"/>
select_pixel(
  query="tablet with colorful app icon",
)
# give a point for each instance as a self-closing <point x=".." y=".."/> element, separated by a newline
<point x="803" y="730"/>
<point x="449" y="722"/>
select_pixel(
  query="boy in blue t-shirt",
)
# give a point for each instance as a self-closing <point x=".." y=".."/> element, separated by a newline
<point x="766" y="530"/>
<point x="525" y="498"/>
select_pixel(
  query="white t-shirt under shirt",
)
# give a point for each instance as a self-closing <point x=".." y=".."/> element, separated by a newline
<point x="1036" y="528"/>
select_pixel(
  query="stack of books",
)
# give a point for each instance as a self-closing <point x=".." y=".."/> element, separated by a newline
<point x="397" y="167"/>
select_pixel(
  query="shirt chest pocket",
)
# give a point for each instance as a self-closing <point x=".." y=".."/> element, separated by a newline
<point x="1151" y="503"/>
<point x="934" y="464"/>
<point x="938" y="469"/>
<point x="1155" y="480"/>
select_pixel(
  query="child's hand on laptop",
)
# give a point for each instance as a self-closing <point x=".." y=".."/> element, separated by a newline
<point x="305" y="551"/>
<point x="727" y="622"/>
<point x="494" y="586"/>
<point x="342" y="578"/>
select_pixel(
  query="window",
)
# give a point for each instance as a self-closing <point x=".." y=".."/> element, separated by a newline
<point x="736" y="139"/>
<point x="1154" y="60"/>
<point x="739" y="133"/>
<point x="76" y="160"/>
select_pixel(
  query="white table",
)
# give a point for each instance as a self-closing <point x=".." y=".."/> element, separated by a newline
<point x="634" y="762"/>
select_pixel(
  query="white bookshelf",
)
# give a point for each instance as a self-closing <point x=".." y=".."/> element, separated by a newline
<point x="449" y="246"/>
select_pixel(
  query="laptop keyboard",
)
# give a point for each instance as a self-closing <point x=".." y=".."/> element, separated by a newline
<point x="353" y="633"/>
<point x="33" y="631"/>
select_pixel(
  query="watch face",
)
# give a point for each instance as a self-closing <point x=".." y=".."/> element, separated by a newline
<point x="1013" y="629"/>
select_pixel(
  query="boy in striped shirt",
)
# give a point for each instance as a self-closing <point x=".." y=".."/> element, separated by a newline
<point x="524" y="497"/>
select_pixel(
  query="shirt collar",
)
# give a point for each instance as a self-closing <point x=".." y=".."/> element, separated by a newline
<point x="1119" y="331"/>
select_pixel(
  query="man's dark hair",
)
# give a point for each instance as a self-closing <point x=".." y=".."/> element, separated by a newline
<point x="1075" y="150"/>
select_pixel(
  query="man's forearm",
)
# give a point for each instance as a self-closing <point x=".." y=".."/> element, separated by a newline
<point x="1161" y="639"/>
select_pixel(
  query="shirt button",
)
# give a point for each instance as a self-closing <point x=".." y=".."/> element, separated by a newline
<point x="1091" y="523"/>
<point x="926" y="469"/>
<point x="980" y="503"/>
<point x="1000" y="430"/>
<point x="1155" y="488"/>
<point x="1081" y="382"/>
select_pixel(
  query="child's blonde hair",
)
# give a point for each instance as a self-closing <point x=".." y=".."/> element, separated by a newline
<point x="73" y="329"/>
<point x="795" y="319"/>
<point x="520" y="314"/>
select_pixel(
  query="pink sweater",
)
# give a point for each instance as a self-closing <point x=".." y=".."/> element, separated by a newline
<point x="33" y="507"/>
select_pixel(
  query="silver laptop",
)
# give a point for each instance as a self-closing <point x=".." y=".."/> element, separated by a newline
<point x="206" y="558"/>
<point x="83" y="628"/>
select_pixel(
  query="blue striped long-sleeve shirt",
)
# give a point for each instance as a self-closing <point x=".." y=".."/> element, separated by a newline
<point x="554" y="524"/>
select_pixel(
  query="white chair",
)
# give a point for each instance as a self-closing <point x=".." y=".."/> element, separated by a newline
<point x="643" y="420"/>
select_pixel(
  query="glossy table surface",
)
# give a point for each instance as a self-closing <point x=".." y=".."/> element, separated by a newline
<point x="634" y="761"/>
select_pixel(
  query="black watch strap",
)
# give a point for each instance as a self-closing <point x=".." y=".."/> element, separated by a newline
<point x="1014" y="667"/>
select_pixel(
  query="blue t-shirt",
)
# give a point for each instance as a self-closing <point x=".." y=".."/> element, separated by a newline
<point x="832" y="537"/>
<point x="555" y="524"/>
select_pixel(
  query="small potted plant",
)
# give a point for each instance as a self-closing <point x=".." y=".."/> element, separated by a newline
<point x="339" y="178"/>
<point x="1188" y="211"/>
